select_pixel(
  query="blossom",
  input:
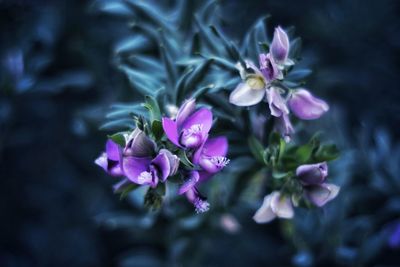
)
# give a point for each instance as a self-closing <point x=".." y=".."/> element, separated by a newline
<point x="274" y="205"/>
<point x="190" y="128"/>
<point x="110" y="159"/>
<point x="211" y="156"/>
<point x="280" y="45"/>
<point x="192" y="193"/>
<point x="306" y="106"/>
<point x="138" y="161"/>
<point x="321" y="194"/>
<point x="312" y="174"/>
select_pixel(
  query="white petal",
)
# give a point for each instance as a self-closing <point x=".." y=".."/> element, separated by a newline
<point x="244" y="96"/>
<point x="282" y="206"/>
<point x="264" y="214"/>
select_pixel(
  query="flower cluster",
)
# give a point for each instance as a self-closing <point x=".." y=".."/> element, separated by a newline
<point x="260" y="83"/>
<point x="265" y="82"/>
<point x="143" y="162"/>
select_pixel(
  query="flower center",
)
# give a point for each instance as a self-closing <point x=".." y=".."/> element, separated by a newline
<point x="145" y="177"/>
<point x="255" y="82"/>
<point x="192" y="136"/>
<point x="219" y="161"/>
<point x="201" y="205"/>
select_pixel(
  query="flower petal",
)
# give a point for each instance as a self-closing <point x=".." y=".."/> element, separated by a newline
<point x="305" y="106"/>
<point x="134" y="166"/>
<point x="163" y="165"/>
<point x="284" y="127"/>
<point x="264" y="214"/>
<point x="276" y="102"/>
<point x="112" y="150"/>
<point x="187" y="108"/>
<point x="189" y="183"/>
<point x="319" y="195"/>
<point x="244" y="96"/>
<point x="217" y="146"/>
<point x="282" y="206"/>
<point x="280" y="45"/>
<point x="139" y="145"/>
<point x="171" y="130"/>
<point x="311" y="174"/>
<point x="173" y="161"/>
<point x="202" y="117"/>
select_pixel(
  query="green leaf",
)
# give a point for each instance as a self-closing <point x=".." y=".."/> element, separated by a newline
<point x="153" y="108"/>
<point x="126" y="190"/>
<point x="256" y="148"/>
<point x="280" y="174"/>
<point x="161" y="189"/>
<point x="303" y="153"/>
<point x="157" y="129"/>
<point x="185" y="160"/>
<point x="327" y="153"/>
<point x="118" y="138"/>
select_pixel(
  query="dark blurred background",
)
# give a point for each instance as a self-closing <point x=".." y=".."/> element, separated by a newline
<point x="57" y="79"/>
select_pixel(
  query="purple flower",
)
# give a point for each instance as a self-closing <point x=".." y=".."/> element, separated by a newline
<point x="268" y="67"/>
<point x="274" y="205"/>
<point x="305" y="106"/>
<point x="321" y="194"/>
<point x="190" y="128"/>
<point x="280" y="45"/>
<point x="277" y="105"/>
<point x="211" y="156"/>
<point x="137" y="162"/>
<point x="110" y="159"/>
<point x="284" y="127"/>
<point x="312" y="174"/>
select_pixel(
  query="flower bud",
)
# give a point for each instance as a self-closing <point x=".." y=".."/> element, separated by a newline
<point x="305" y="106"/>
<point x="280" y="45"/>
<point x="312" y="174"/>
<point x="321" y="194"/>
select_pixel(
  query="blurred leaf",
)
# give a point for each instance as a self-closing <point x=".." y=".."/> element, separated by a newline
<point x="118" y="138"/>
<point x="256" y="148"/>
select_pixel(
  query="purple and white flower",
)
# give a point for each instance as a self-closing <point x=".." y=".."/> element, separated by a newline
<point x="274" y="205"/>
<point x="306" y="106"/>
<point x="190" y="128"/>
<point x="312" y="174"/>
<point x="321" y="194"/>
<point x="280" y="46"/>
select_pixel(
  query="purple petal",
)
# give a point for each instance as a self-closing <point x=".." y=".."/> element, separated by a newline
<point x="173" y="161"/>
<point x="319" y="195"/>
<point x="305" y="106"/>
<point x="265" y="214"/>
<point x="189" y="183"/>
<point x="217" y="146"/>
<point x="113" y="168"/>
<point x="133" y="167"/>
<point x="268" y="67"/>
<point x="163" y="165"/>
<point x="282" y="206"/>
<point x="284" y="127"/>
<point x="187" y="108"/>
<point x="244" y="95"/>
<point x="171" y="130"/>
<point x="311" y="174"/>
<point x="201" y="117"/>
<point x="139" y="145"/>
<point x="280" y="45"/>
<point x="204" y="176"/>
<point x="113" y="150"/>
<point x="277" y="104"/>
